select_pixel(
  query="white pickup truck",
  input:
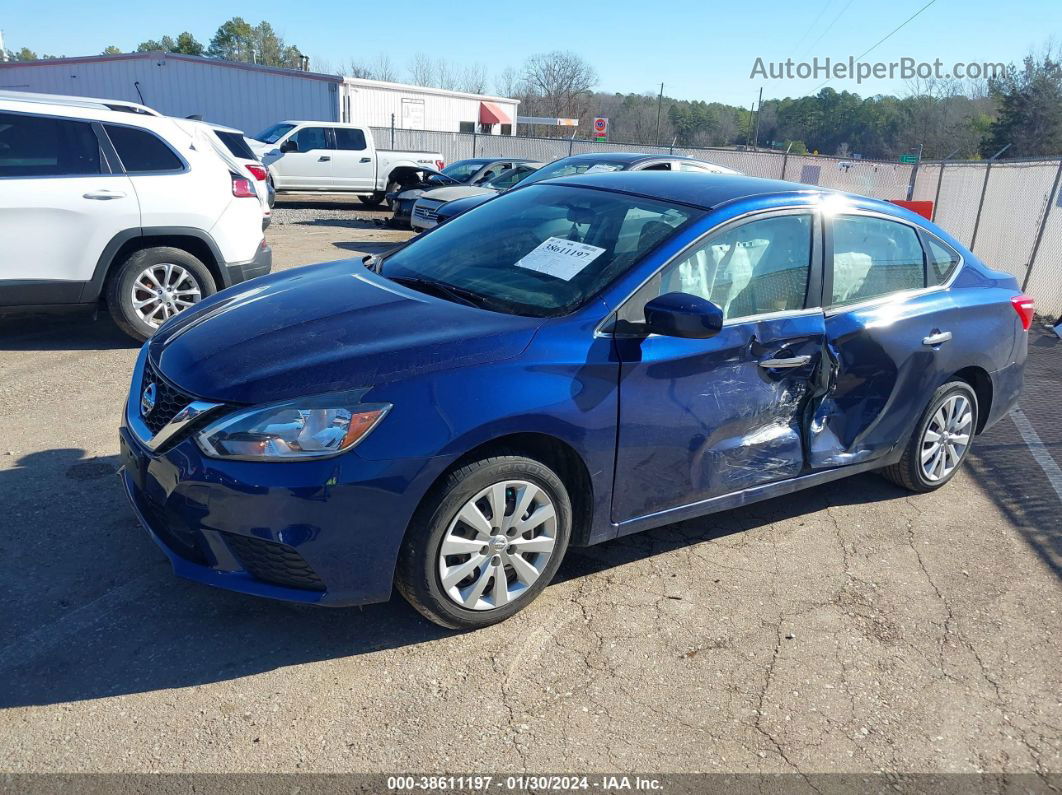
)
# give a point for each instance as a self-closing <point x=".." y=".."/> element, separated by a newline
<point x="328" y="156"/>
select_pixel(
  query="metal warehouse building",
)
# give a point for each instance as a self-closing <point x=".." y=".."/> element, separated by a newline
<point x="251" y="97"/>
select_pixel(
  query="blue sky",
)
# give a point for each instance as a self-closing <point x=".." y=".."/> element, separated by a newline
<point x="698" y="51"/>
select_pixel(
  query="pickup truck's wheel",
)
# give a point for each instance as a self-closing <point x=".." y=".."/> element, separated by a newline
<point x="940" y="441"/>
<point x="486" y="543"/>
<point x="153" y="285"/>
<point x="372" y="201"/>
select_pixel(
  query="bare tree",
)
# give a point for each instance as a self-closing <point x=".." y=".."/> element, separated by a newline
<point x="508" y="84"/>
<point x="380" y="68"/>
<point x="446" y="75"/>
<point x="421" y="70"/>
<point x="473" y="79"/>
<point x="559" y="83"/>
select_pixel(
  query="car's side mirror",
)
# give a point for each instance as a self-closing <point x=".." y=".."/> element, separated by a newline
<point x="683" y="315"/>
<point x="289" y="145"/>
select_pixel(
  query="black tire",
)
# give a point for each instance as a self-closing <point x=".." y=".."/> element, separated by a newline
<point x="372" y="201"/>
<point x="120" y="285"/>
<point x="907" y="472"/>
<point x="271" y="192"/>
<point x="417" y="577"/>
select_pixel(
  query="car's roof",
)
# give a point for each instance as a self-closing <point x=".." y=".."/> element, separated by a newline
<point x="700" y="190"/>
<point x="60" y="100"/>
<point x="211" y="125"/>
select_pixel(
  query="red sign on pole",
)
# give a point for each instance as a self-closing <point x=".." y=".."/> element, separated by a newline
<point x="600" y="128"/>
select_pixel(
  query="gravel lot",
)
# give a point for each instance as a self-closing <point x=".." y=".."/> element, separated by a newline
<point x="852" y="627"/>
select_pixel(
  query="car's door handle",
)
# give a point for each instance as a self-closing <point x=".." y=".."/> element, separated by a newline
<point x="104" y="195"/>
<point x="365" y="160"/>
<point x="323" y="159"/>
<point x="779" y="364"/>
<point x="937" y="338"/>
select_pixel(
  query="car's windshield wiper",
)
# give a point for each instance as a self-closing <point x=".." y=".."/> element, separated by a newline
<point x="458" y="294"/>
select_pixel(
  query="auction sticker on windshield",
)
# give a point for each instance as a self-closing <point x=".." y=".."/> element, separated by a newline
<point x="560" y="258"/>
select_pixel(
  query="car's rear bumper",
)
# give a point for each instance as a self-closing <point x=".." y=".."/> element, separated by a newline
<point x="317" y="532"/>
<point x="259" y="265"/>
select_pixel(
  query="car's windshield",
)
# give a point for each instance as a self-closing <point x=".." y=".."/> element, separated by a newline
<point x="568" y="167"/>
<point x="271" y="135"/>
<point x="509" y="178"/>
<point x="539" y="251"/>
<point x="463" y="169"/>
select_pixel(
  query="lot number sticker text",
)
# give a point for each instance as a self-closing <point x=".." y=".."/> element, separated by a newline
<point x="560" y="258"/>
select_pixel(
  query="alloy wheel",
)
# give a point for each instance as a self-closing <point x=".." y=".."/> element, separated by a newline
<point x="946" y="438"/>
<point x="498" y="545"/>
<point x="163" y="290"/>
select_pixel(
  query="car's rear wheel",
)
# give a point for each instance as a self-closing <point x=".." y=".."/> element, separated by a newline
<point x="375" y="200"/>
<point x="152" y="286"/>
<point x="486" y="543"/>
<point x="941" y="440"/>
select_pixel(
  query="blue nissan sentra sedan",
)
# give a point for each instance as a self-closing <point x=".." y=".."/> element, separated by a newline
<point x="574" y="361"/>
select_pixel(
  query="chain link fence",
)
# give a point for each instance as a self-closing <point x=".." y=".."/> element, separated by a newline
<point x="1008" y="213"/>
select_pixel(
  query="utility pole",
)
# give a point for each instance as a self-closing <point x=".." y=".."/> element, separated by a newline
<point x="759" y="107"/>
<point x="659" y="102"/>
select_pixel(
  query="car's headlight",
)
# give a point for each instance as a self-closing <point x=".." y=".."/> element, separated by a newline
<point x="315" y="427"/>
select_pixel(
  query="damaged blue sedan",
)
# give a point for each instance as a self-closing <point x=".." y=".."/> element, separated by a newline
<point x="574" y="361"/>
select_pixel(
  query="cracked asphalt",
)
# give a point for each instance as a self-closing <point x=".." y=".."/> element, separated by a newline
<point x="851" y="627"/>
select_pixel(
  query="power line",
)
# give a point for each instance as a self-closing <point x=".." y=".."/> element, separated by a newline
<point x="882" y="40"/>
<point x="901" y="25"/>
<point x="811" y="27"/>
<point x="830" y="26"/>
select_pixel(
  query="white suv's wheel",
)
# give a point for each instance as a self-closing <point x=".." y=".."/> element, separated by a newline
<point x="153" y="285"/>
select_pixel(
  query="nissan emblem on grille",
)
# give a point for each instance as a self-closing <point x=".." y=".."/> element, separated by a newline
<point x="147" y="400"/>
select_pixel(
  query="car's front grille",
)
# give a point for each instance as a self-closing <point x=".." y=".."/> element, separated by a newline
<point x="426" y="211"/>
<point x="167" y="400"/>
<point x="272" y="562"/>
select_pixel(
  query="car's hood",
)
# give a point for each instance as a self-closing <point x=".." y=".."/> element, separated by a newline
<point x="325" y="328"/>
<point x="458" y="206"/>
<point x="450" y="193"/>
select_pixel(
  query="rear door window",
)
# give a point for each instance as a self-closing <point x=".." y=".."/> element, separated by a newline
<point x="42" y="146"/>
<point x="874" y="257"/>
<point x="141" y="151"/>
<point x="350" y="139"/>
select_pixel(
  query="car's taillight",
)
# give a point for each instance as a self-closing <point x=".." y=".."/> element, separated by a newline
<point x="1025" y="306"/>
<point x="440" y="164"/>
<point x="242" y="188"/>
<point x="258" y="172"/>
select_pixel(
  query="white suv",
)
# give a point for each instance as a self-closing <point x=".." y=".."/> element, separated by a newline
<point x="110" y="201"/>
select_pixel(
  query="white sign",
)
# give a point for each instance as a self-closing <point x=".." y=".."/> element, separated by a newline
<point x="600" y="168"/>
<point x="412" y="114"/>
<point x="560" y="258"/>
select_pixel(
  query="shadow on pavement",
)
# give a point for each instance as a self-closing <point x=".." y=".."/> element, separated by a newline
<point x="62" y="331"/>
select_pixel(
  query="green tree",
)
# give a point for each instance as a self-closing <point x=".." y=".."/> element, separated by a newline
<point x="238" y="40"/>
<point x="25" y="54"/>
<point x="1030" y="109"/>
<point x="184" y="44"/>
<point x="111" y="50"/>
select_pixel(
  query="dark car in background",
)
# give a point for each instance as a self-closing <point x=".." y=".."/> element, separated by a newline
<point x="591" y="163"/>
<point x="424" y="208"/>
<point x="575" y="361"/>
<point x="474" y="171"/>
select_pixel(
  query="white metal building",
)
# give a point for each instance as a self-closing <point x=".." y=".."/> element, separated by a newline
<point x="251" y="97"/>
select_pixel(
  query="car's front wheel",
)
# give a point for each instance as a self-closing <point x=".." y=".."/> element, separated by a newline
<point x="486" y="543"/>
<point x="941" y="440"/>
<point x="152" y="286"/>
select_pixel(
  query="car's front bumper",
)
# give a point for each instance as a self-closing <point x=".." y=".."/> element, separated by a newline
<point x="322" y="532"/>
